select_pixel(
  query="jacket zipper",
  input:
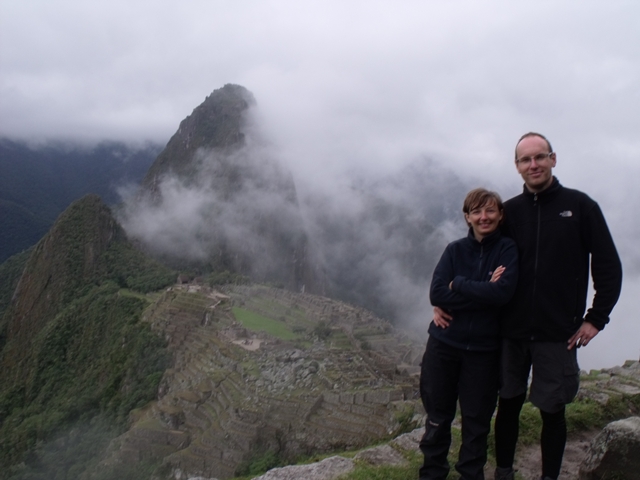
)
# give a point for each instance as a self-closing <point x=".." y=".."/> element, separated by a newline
<point x="536" y="204"/>
<point x="479" y="276"/>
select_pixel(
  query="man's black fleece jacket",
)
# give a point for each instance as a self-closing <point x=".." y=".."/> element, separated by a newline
<point x="473" y="301"/>
<point x="558" y="231"/>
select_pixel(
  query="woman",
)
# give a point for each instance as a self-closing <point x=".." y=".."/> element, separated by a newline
<point x="476" y="275"/>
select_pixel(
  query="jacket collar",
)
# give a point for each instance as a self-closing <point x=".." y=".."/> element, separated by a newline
<point x="547" y="192"/>
<point x="488" y="240"/>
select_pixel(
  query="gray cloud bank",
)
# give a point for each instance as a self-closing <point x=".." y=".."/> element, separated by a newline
<point x="354" y="92"/>
<point x="369" y="238"/>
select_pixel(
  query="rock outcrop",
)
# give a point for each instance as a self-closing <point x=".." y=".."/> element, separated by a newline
<point x="328" y="469"/>
<point x="333" y="467"/>
<point x="614" y="453"/>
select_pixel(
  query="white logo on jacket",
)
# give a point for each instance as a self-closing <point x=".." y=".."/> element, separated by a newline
<point x="566" y="213"/>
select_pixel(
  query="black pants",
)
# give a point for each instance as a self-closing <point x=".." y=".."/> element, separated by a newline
<point x="450" y="374"/>
<point x="552" y="439"/>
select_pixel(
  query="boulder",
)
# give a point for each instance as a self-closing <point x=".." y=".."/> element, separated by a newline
<point x="409" y="441"/>
<point x="381" y="455"/>
<point x="614" y="453"/>
<point x="328" y="469"/>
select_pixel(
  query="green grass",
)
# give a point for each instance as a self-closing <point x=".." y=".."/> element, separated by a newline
<point x="125" y="292"/>
<point x="340" y="340"/>
<point x="257" y="323"/>
<point x="367" y="472"/>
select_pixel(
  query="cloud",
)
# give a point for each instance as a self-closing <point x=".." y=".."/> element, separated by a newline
<point x="348" y="87"/>
<point x="618" y="341"/>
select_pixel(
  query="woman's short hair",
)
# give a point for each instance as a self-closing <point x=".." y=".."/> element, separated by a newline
<point x="479" y="197"/>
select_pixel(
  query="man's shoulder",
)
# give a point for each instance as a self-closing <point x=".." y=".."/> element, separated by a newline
<point x="572" y="200"/>
<point x="575" y="194"/>
<point x="506" y="242"/>
<point x="560" y="192"/>
<point x="515" y="202"/>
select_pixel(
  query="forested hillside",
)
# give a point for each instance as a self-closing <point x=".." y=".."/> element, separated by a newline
<point x="75" y="354"/>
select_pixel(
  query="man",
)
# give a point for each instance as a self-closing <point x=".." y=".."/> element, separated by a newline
<point x="559" y="232"/>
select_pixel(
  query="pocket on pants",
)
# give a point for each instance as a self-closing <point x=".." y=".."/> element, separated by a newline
<point x="432" y="432"/>
<point x="571" y="379"/>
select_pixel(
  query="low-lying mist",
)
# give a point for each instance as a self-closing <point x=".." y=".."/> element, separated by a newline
<point x="367" y="236"/>
<point x="370" y="238"/>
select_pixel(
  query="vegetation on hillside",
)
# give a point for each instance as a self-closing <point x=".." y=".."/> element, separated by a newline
<point x="10" y="272"/>
<point x="94" y="362"/>
<point x="88" y="359"/>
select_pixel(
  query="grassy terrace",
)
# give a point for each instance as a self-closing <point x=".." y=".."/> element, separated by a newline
<point x="257" y="323"/>
<point x="292" y="314"/>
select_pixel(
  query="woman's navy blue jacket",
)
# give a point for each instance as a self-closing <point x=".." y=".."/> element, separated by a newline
<point x="473" y="301"/>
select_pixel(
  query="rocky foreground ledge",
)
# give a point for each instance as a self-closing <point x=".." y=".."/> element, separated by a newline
<point x="613" y="453"/>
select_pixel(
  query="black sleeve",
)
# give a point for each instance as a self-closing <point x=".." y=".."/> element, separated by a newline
<point x="493" y="293"/>
<point x="606" y="268"/>
<point x="440" y="294"/>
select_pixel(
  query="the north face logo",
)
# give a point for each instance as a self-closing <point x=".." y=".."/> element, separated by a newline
<point x="566" y="213"/>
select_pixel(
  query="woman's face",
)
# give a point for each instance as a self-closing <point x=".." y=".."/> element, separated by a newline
<point x="484" y="220"/>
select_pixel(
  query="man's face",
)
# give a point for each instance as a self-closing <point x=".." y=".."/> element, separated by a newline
<point x="537" y="175"/>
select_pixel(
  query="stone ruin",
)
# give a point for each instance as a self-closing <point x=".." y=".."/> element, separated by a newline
<point x="234" y="392"/>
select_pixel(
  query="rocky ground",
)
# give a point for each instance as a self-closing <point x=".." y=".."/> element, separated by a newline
<point x="528" y="459"/>
<point x="604" y="386"/>
<point x="233" y="388"/>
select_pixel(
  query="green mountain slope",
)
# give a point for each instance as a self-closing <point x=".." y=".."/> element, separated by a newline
<point x="75" y="352"/>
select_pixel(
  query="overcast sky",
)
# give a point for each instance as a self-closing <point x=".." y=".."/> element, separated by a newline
<point x="355" y="85"/>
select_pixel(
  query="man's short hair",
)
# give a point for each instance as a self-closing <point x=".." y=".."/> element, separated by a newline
<point x="479" y="197"/>
<point x="532" y="134"/>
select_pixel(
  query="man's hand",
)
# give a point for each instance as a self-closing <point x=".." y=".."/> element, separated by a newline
<point x="583" y="336"/>
<point x="441" y="318"/>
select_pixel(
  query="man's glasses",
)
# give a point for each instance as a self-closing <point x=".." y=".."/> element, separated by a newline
<point x="539" y="158"/>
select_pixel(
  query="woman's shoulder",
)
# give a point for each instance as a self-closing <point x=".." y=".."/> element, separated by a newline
<point x="463" y="242"/>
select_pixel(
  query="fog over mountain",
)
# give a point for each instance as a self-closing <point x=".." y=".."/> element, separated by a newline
<point x="373" y="235"/>
<point x="371" y="239"/>
<point x="353" y="94"/>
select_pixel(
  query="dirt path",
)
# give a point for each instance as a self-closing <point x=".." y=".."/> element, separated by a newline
<point x="528" y="459"/>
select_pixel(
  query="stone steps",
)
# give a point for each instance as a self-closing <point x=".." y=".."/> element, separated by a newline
<point x="195" y="418"/>
<point x="243" y="434"/>
<point x="195" y="464"/>
<point x="231" y="390"/>
<point x="336" y="432"/>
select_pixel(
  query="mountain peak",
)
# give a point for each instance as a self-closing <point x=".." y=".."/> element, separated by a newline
<point x="85" y="247"/>
<point x="67" y="253"/>
<point x="217" y="193"/>
<point x="215" y="124"/>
